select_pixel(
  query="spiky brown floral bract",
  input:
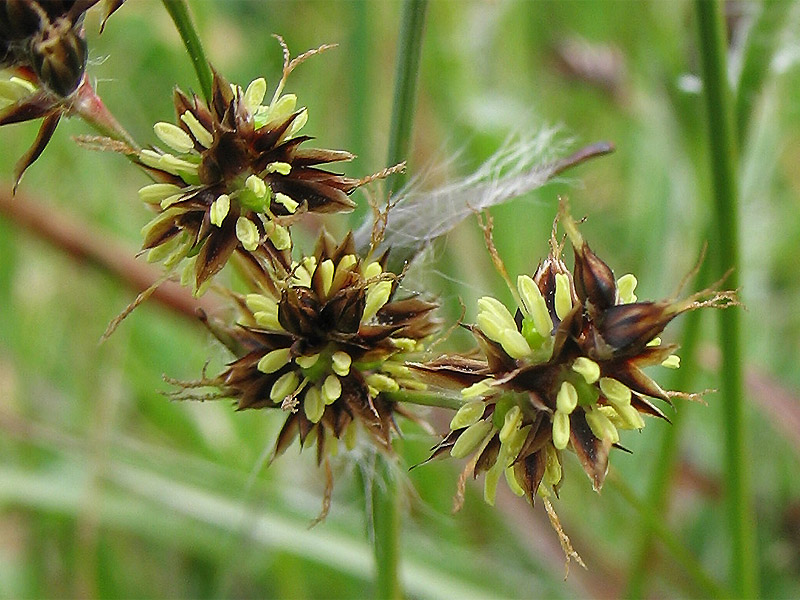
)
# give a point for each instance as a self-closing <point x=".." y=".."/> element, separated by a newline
<point x="43" y="50"/>
<point x="238" y="178"/>
<point x="326" y="344"/>
<point x="564" y="371"/>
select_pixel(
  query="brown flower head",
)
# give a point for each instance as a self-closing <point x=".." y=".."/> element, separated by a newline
<point x="327" y="344"/>
<point x="238" y="177"/>
<point x="43" y="48"/>
<point x="563" y="371"/>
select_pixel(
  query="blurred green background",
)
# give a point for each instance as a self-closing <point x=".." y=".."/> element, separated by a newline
<point x="108" y="489"/>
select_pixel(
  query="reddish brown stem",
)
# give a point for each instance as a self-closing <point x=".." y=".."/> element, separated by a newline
<point x="94" y="248"/>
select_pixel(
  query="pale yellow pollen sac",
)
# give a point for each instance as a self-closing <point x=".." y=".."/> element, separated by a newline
<point x="201" y="134"/>
<point x="470" y="439"/>
<point x="627" y="417"/>
<point x="306" y="362"/>
<point x="283" y="107"/>
<point x="247" y="233"/>
<point x="586" y="367"/>
<point x="174" y="137"/>
<point x="477" y="389"/>
<point x="625" y="286"/>
<point x="343" y="269"/>
<point x="404" y="344"/>
<point x="325" y="270"/>
<point x="534" y="304"/>
<point x="514" y="343"/>
<point x="282" y="168"/>
<point x="219" y="209"/>
<point x="567" y="398"/>
<point x="274" y="360"/>
<point x="382" y="383"/>
<point x="289" y="204"/>
<point x="377" y="295"/>
<point x="490" y="325"/>
<point x="513" y="484"/>
<point x="469" y="414"/>
<point x="298" y="123"/>
<point x="150" y="158"/>
<point x="340" y="363"/>
<point x="563" y="299"/>
<point x="156" y="192"/>
<point x="170" y="200"/>
<point x="255" y="184"/>
<point x="284" y="386"/>
<point x="511" y="424"/>
<point x="373" y="269"/>
<point x="560" y="430"/>
<point x="280" y="238"/>
<point x="313" y="405"/>
<point x="176" y="166"/>
<point x="615" y="391"/>
<point x="254" y="94"/>
<point x="601" y="426"/>
<point x="552" y="470"/>
<point x="497" y="309"/>
<point x="331" y="389"/>
<point x="259" y="302"/>
<point x="673" y="361"/>
<point x="656" y="341"/>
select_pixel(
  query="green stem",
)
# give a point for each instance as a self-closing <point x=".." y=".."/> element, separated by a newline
<point x="723" y="153"/>
<point x="179" y="11"/>
<point x="384" y="493"/>
<point x="425" y="399"/>
<point x="705" y="586"/>
<point x="405" y="90"/>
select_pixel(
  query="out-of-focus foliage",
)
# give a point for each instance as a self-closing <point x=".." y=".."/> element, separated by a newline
<point x="108" y="489"/>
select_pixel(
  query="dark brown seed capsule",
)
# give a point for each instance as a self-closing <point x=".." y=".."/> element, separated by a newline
<point x="59" y="57"/>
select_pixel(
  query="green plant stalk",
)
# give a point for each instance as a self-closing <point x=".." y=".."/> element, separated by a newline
<point x="405" y="90"/>
<point x="179" y="12"/>
<point x="706" y="586"/>
<point x="723" y="153"/>
<point x="385" y="496"/>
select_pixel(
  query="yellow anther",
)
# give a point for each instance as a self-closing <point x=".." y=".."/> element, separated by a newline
<point x="625" y="286"/>
<point x="469" y="414"/>
<point x="552" y="470"/>
<point x="254" y="94"/>
<point x="470" y="439"/>
<point x="174" y="137"/>
<point x="494" y="307"/>
<point x="513" y="484"/>
<point x="560" y="430"/>
<point x="283" y="168"/>
<point x="273" y="361"/>
<point x="673" y="361"/>
<point x="656" y="341"/>
<point x="615" y="391"/>
<point x="331" y="389"/>
<point x="340" y="363"/>
<point x="377" y="295"/>
<point x="287" y="202"/>
<point x="285" y="386"/>
<point x="313" y="405"/>
<point x="283" y="107"/>
<point x="491" y="325"/>
<point x="535" y="305"/>
<point x="563" y="300"/>
<point x="567" y="398"/>
<point x="280" y="238"/>
<point x="247" y="233"/>
<point x="514" y="343"/>
<point x="306" y="362"/>
<point x="588" y="368"/>
<point x="156" y="192"/>
<point x="382" y="383"/>
<point x="219" y="209"/>
<point x="601" y="426"/>
<point x="201" y="134"/>
<point x="511" y="423"/>
<point x="404" y="344"/>
<point x="298" y="123"/>
<point x="476" y="389"/>
<point x="259" y="302"/>
<point x="255" y="184"/>
<point x="325" y="270"/>
<point x="373" y="269"/>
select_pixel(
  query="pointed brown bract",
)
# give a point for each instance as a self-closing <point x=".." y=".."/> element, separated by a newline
<point x="561" y="371"/>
